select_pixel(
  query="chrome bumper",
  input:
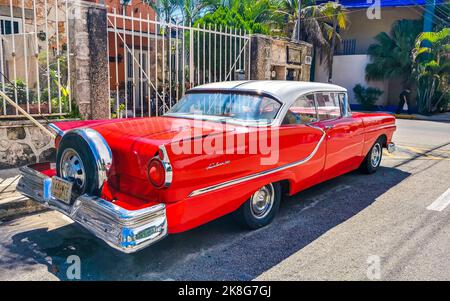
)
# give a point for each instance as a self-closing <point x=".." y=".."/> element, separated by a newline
<point x="391" y="147"/>
<point x="125" y="230"/>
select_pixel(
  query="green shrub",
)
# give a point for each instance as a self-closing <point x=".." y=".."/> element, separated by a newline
<point x="366" y="96"/>
<point x="19" y="88"/>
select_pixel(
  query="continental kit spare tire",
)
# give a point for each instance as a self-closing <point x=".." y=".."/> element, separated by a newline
<point x="76" y="163"/>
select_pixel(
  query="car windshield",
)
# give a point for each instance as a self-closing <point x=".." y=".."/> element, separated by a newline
<point x="227" y="106"/>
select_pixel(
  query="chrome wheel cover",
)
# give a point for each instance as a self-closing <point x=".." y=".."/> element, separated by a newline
<point x="72" y="169"/>
<point x="261" y="202"/>
<point x="375" y="156"/>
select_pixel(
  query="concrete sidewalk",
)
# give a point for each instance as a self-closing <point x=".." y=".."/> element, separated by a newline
<point x="440" y="117"/>
<point x="12" y="203"/>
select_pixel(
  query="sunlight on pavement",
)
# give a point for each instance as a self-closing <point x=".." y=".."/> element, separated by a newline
<point x="417" y="153"/>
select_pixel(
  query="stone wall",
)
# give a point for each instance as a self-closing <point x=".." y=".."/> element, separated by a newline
<point x="23" y="143"/>
<point x="280" y="59"/>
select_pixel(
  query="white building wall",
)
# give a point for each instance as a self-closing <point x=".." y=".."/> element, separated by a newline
<point x="348" y="71"/>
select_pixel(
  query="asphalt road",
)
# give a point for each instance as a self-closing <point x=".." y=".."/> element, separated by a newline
<point x="354" y="227"/>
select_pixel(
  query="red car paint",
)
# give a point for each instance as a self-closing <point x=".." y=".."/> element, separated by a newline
<point x="134" y="142"/>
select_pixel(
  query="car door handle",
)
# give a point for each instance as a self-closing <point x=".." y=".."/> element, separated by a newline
<point x="329" y="127"/>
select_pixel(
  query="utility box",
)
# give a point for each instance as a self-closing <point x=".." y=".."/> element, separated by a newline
<point x="280" y="59"/>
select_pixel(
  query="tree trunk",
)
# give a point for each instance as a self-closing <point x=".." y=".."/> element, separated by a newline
<point x="330" y="59"/>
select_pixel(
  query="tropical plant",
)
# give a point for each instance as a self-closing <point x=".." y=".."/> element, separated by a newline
<point x="320" y="25"/>
<point x="337" y="15"/>
<point x="367" y="97"/>
<point x="19" y="89"/>
<point x="432" y="69"/>
<point x="165" y="9"/>
<point x="252" y="16"/>
<point x="390" y="55"/>
<point x="285" y="15"/>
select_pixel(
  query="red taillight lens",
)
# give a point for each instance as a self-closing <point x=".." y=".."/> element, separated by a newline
<point x="57" y="141"/>
<point x="156" y="173"/>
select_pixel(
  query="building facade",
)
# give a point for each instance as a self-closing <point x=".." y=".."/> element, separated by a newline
<point x="351" y="59"/>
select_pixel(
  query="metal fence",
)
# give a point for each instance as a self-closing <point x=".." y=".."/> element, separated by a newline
<point x="153" y="63"/>
<point x="34" y="57"/>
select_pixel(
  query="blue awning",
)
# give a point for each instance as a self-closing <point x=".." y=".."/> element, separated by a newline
<point x="384" y="3"/>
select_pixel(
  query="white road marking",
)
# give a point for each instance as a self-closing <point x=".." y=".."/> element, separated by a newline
<point x="441" y="202"/>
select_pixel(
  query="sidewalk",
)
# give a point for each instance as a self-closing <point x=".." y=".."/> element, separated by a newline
<point x="12" y="203"/>
<point x="441" y="117"/>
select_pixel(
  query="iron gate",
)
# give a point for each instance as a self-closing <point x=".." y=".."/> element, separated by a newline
<point x="153" y="63"/>
<point x="34" y="57"/>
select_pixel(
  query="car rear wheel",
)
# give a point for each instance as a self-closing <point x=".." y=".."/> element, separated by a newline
<point x="373" y="159"/>
<point x="260" y="209"/>
<point x="76" y="163"/>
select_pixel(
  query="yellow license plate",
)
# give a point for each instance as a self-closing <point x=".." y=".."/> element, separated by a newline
<point x="61" y="189"/>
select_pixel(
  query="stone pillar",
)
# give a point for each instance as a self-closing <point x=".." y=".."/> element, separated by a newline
<point x="279" y="59"/>
<point x="89" y="60"/>
<point x="99" y="62"/>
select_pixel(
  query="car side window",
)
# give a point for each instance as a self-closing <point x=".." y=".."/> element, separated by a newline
<point x="302" y="111"/>
<point x="328" y="106"/>
<point x="345" y="106"/>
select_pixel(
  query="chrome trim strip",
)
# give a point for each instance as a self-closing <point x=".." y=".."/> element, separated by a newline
<point x="56" y="129"/>
<point x="125" y="230"/>
<point x="262" y="173"/>
<point x="167" y="166"/>
<point x="100" y="149"/>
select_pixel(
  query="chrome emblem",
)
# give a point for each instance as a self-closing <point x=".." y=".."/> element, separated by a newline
<point x="217" y="164"/>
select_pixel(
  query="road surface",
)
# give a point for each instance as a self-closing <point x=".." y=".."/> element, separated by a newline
<point x="384" y="226"/>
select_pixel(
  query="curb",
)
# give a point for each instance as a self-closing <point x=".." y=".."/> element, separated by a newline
<point x="17" y="206"/>
<point x="403" y="116"/>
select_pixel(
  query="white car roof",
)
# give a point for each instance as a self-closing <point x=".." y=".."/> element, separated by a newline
<point x="285" y="91"/>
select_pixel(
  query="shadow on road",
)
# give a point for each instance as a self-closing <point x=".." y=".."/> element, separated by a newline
<point x="217" y="251"/>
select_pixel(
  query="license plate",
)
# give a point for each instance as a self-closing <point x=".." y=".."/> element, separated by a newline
<point x="61" y="189"/>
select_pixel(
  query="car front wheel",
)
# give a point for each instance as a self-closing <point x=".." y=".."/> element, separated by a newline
<point x="260" y="209"/>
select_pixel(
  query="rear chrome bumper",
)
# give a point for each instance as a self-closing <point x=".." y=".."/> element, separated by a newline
<point x="391" y="147"/>
<point x="125" y="230"/>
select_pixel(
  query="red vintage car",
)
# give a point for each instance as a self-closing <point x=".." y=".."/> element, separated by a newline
<point x="224" y="147"/>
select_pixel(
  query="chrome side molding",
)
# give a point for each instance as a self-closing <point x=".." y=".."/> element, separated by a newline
<point x="262" y="173"/>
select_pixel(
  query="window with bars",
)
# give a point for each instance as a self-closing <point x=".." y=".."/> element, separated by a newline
<point x="347" y="47"/>
<point x="9" y="27"/>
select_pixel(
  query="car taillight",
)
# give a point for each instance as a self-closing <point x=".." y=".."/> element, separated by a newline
<point x="57" y="141"/>
<point x="156" y="173"/>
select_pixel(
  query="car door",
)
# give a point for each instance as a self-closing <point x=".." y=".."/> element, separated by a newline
<point x="344" y="134"/>
<point x="299" y="139"/>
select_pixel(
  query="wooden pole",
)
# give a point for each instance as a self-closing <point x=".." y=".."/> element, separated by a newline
<point x="37" y="123"/>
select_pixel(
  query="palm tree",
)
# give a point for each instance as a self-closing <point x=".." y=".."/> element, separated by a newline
<point x="432" y="68"/>
<point x="337" y="14"/>
<point x="190" y="10"/>
<point x="320" y="25"/>
<point x="193" y="9"/>
<point x="390" y="55"/>
<point x="165" y="9"/>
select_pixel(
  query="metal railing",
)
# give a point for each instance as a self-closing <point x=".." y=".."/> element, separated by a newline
<point x="153" y="63"/>
<point x="34" y="57"/>
<point x="347" y="47"/>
